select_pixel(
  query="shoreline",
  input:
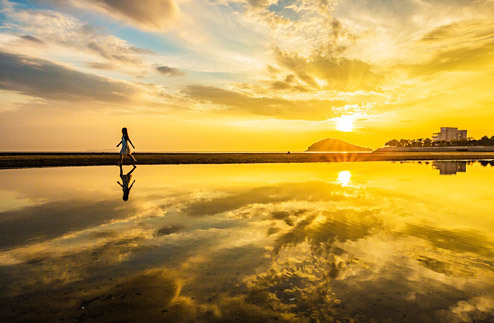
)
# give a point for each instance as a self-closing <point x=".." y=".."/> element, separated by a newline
<point x="10" y="160"/>
<point x="443" y="149"/>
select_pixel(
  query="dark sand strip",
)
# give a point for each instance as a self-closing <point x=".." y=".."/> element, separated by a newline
<point x="23" y="160"/>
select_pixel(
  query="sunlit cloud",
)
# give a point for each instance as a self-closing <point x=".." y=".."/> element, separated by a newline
<point x="49" y="80"/>
<point x="369" y="69"/>
<point x="153" y="15"/>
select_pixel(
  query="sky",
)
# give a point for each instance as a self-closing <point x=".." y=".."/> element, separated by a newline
<point x="241" y="75"/>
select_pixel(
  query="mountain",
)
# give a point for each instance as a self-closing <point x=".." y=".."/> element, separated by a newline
<point x="335" y="145"/>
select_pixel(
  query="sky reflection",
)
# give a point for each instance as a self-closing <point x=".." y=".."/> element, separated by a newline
<point x="383" y="241"/>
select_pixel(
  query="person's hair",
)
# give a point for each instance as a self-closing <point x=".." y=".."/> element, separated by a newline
<point x="126" y="195"/>
<point x="125" y="133"/>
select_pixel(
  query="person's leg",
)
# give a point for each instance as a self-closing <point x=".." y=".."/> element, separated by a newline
<point x="133" y="158"/>
<point x="121" y="159"/>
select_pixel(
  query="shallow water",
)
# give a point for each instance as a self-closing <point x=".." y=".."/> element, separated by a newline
<point x="259" y="242"/>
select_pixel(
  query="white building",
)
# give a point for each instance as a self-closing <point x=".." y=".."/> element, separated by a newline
<point x="449" y="134"/>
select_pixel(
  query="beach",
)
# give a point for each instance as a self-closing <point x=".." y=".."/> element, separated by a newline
<point x="286" y="242"/>
<point x="26" y="160"/>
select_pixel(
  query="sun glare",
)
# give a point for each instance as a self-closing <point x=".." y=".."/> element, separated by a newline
<point x="345" y="123"/>
<point x="344" y="177"/>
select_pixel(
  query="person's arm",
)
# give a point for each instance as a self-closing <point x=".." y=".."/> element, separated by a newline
<point x="132" y="144"/>
<point x="119" y="143"/>
<point x="132" y="184"/>
<point x="119" y="184"/>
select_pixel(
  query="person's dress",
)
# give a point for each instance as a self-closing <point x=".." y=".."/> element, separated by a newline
<point x="125" y="147"/>
<point x="125" y="181"/>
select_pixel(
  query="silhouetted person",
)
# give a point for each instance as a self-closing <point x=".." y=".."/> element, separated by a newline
<point x="125" y="147"/>
<point x="125" y="182"/>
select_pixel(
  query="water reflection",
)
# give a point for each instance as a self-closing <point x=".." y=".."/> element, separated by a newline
<point x="450" y="167"/>
<point x="486" y="162"/>
<point x="344" y="177"/>
<point x="125" y="182"/>
<point x="250" y="243"/>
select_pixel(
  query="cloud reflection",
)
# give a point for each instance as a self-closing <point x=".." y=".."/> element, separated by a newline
<point x="288" y="250"/>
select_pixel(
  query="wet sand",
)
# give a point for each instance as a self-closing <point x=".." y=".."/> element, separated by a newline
<point x="25" y="160"/>
<point x="392" y="242"/>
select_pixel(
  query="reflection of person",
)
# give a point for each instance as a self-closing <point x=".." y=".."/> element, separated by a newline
<point x="125" y="146"/>
<point x="125" y="182"/>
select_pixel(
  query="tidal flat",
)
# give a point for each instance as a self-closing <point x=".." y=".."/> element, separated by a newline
<point x="295" y="242"/>
<point x="46" y="159"/>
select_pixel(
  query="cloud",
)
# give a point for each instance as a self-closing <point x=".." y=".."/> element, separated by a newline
<point x="459" y="46"/>
<point x="288" y="84"/>
<point x="169" y="71"/>
<point x="476" y="58"/>
<point x="299" y="25"/>
<point x="272" y="70"/>
<point x="340" y="73"/>
<point x="45" y="79"/>
<point x="153" y="15"/>
<point x="33" y="39"/>
<point x="284" y="85"/>
<point x="116" y="52"/>
<point x="315" y="109"/>
<point x="59" y="30"/>
<point x="461" y="31"/>
<point x="101" y="66"/>
<point x="259" y="3"/>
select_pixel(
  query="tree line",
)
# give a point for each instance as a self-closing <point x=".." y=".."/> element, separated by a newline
<point x="427" y="142"/>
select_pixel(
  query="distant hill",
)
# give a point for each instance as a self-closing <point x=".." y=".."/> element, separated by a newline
<point x="335" y="145"/>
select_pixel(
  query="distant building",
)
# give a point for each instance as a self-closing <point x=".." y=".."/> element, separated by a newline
<point x="449" y="134"/>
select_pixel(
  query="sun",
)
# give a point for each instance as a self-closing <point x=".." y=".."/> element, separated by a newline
<point x="345" y="123"/>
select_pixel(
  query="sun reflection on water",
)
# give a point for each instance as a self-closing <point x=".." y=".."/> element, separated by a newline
<point x="344" y="177"/>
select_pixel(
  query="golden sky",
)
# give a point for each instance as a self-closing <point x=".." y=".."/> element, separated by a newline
<point x="241" y="75"/>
